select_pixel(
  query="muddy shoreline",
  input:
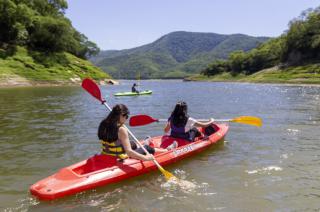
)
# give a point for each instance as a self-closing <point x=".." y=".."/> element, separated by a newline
<point x="22" y="82"/>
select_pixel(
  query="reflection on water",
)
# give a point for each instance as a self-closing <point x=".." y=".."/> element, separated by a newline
<point x="270" y="168"/>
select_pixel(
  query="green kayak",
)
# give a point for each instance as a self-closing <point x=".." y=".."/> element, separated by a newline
<point x="146" y="92"/>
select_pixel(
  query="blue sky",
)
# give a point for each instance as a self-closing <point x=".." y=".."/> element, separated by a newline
<point x="123" y="24"/>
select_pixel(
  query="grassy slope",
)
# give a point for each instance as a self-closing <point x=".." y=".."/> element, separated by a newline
<point x="58" y="68"/>
<point x="308" y="74"/>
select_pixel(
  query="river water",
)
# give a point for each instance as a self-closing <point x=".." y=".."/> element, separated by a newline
<point x="273" y="168"/>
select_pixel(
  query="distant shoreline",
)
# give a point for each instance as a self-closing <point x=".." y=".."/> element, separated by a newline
<point x="305" y="75"/>
<point x="15" y="82"/>
<point x="259" y="83"/>
<point x="26" y="83"/>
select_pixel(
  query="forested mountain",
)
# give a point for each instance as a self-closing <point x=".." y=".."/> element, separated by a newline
<point x="174" y="55"/>
<point x="298" y="46"/>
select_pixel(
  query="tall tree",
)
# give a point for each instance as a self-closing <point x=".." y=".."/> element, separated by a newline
<point x="41" y="25"/>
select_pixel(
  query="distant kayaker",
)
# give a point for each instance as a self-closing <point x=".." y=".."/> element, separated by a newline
<point x="183" y="126"/>
<point x="115" y="140"/>
<point x="133" y="88"/>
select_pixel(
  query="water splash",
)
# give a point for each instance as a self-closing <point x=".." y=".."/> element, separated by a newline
<point x="180" y="183"/>
<point x="23" y="204"/>
<point x="184" y="185"/>
<point x="293" y="132"/>
<point x="265" y="170"/>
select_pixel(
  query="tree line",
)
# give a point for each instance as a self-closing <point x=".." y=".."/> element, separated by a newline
<point x="40" y="25"/>
<point x="300" y="44"/>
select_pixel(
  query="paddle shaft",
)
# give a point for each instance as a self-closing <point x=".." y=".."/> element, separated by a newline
<point x="203" y="120"/>
<point x="135" y="139"/>
<point x="251" y="120"/>
<point x="140" y="120"/>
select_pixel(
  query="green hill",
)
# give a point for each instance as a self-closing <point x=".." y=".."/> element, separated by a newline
<point x="59" y="68"/>
<point x="175" y="55"/>
<point x="39" y="44"/>
<point x="293" y="57"/>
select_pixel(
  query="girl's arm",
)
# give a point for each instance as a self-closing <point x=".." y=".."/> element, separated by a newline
<point x="203" y="124"/>
<point x="167" y="127"/>
<point x="124" y="138"/>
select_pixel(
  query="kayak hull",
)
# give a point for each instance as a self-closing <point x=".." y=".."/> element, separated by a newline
<point x="146" y="92"/>
<point x="101" y="170"/>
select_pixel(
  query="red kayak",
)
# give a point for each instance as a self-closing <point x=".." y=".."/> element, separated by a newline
<point x="101" y="170"/>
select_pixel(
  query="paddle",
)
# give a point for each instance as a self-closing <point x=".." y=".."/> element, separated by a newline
<point x="92" y="88"/>
<point x="139" y="120"/>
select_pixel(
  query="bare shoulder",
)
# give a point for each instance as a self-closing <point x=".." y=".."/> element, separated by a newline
<point x="192" y="120"/>
<point x="123" y="130"/>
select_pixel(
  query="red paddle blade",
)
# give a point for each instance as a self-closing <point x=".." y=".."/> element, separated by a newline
<point x="140" y="120"/>
<point x="92" y="88"/>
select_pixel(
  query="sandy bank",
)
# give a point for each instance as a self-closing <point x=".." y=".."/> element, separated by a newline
<point x="18" y="81"/>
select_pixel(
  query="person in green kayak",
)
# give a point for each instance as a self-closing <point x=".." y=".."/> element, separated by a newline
<point x="133" y="88"/>
<point x="115" y="140"/>
<point x="182" y="125"/>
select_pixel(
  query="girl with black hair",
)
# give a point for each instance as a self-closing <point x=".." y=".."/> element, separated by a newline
<point x="183" y="126"/>
<point x="115" y="140"/>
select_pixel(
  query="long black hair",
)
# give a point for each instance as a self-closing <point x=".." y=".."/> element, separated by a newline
<point x="109" y="127"/>
<point x="179" y="115"/>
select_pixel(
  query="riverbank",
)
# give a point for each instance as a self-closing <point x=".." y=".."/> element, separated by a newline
<point x="7" y="81"/>
<point x="27" y="68"/>
<point x="307" y="74"/>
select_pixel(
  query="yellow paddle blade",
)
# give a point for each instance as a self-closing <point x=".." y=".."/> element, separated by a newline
<point x="167" y="174"/>
<point x="255" y="121"/>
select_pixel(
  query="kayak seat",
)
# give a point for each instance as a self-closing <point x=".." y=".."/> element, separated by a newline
<point x="207" y="131"/>
<point x="95" y="163"/>
<point x="168" y="140"/>
<point x="204" y="132"/>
